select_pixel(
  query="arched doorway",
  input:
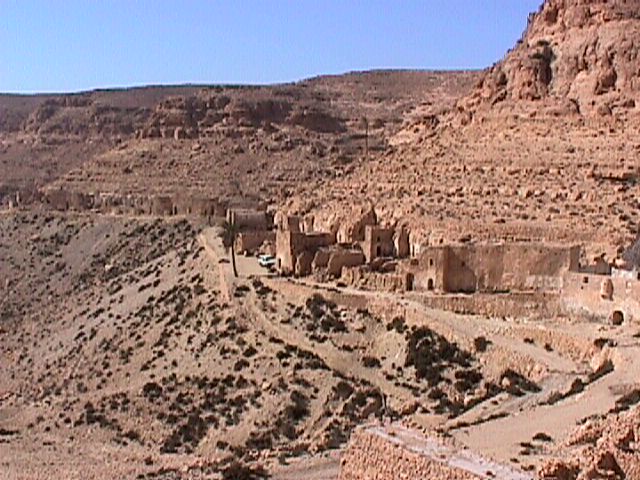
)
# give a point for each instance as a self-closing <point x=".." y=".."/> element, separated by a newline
<point x="430" y="284"/>
<point x="409" y="282"/>
<point x="617" y="317"/>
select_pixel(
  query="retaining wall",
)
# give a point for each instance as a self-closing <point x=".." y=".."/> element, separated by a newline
<point x="396" y="453"/>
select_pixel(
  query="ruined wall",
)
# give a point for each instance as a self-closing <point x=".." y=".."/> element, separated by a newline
<point x="249" y="219"/>
<point x="392" y="453"/>
<point x="198" y="206"/>
<point x="401" y="242"/>
<point x="584" y="294"/>
<point x="288" y="244"/>
<point x="304" y="261"/>
<point x="363" y="277"/>
<point x="352" y="228"/>
<point x="340" y="258"/>
<point x="494" y="268"/>
<point x="295" y="251"/>
<point x="321" y="259"/>
<point x="378" y="242"/>
<point x="161" y="205"/>
<point x="282" y="221"/>
<point x="207" y="207"/>
<point x="252" y="240"/>
<point x="67" y="200"/>
<point x="521" y="305"/>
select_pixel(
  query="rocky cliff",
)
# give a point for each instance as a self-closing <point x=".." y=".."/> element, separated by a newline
<point x="582" y="54"/>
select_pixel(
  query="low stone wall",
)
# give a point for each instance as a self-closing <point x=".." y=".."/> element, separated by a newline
<point x="362" y="277"/>
<point x="395" y="452"/>
<point x="533" y="305"/>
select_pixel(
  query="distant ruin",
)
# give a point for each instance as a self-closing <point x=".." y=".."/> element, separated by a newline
<point x="63" y="200"/>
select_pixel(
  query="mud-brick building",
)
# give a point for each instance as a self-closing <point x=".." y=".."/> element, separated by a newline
<point x="493" y="268"/>
<point x="610" y="298"/>
<point x="385" y="242"/>
<point x="296" y="250"/>
<point x="60" y="199"/>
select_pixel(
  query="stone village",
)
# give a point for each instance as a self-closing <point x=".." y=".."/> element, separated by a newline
<point x="498" y="278"/>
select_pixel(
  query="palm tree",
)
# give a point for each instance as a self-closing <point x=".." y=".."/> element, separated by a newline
<point x="229" y="234"/>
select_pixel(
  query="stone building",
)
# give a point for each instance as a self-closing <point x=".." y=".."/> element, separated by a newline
<point x="385" y="242"/>
<point x="353" y="242"/>
<point x="493" y="268"/>
<point x="161" y="205"/>
<point x="250" y="219"/>
<point x="378" y="242"/>
<point x="59" y="199"/>
<point x="295" y="250"/>
<point x="609" y="298"/>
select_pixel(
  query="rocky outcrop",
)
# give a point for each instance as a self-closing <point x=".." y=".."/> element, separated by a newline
<point x="602" y="448"/>
<point x="317" y="120"/>
<point x="256" y="113"/>
<point x="394" y="452"/>
<point x="189" y="117"/>
<point x="583" y="54"/>
<point x="80" y="116"/>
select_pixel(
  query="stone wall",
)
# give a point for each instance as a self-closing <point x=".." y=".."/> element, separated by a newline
<point x="600" y="295"/>
<point x="364" y="277"/>
<point x="395" y="452"/>
<point x="494" y="267"/>
<point x="159" y="205"/>
<point x="342" y="258"/>
<point x="252" y="240"/>
<point x="249" y="219"/>
<point x="529" y="305"/>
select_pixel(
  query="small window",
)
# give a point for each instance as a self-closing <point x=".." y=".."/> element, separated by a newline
<point x="430" y="284"/>
<point x="585" y="279"/>
<point x="617" y="317"/>
<point x="431" y="262"/>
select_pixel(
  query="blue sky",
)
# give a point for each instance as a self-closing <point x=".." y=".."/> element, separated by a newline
<point x="72" y="45"/>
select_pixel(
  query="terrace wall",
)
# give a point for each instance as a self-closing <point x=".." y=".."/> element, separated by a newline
<point x="395" y="452"/>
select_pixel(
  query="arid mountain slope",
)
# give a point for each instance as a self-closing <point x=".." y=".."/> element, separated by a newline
<point x="544" y="147"/>
<point x="582" y="54"/>
<point x="223" y="140"/>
